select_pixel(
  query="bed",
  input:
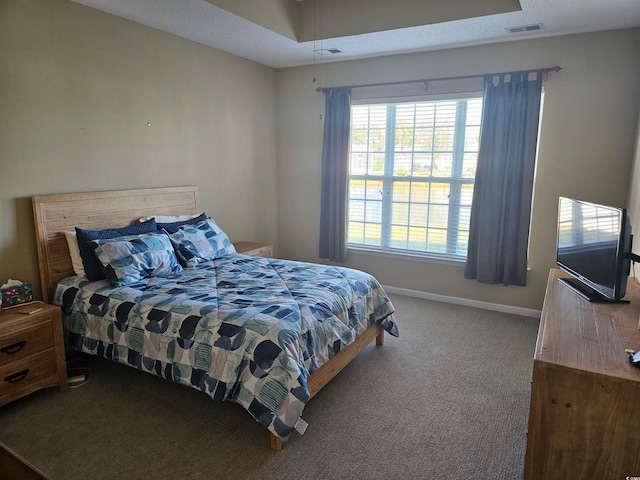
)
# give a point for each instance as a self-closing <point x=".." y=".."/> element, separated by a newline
<point x="265" y="333"/>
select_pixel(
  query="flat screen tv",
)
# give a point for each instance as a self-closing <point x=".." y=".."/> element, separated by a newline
<point x="594" y="246"/>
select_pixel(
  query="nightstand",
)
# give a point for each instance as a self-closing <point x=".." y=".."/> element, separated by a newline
<point x="31" y="350"/>
<point x="254" y="248"/>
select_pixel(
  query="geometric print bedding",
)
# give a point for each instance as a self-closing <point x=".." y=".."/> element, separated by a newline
<point x="239" y="327"/>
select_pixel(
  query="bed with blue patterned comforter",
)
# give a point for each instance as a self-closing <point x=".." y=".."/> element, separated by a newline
<point x="246" y="328"/>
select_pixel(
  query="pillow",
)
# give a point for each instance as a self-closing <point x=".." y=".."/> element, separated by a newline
<point x="131" y="258"/>
<point x="74" y="251"/>
<point x="92" y="267"/>
<point x="200" y="242"/>
<point x="170" y="218"/>
<point x="173" y="227"/>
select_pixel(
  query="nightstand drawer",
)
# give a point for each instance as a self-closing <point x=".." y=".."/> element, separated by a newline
<point x="264" y="251"/>
<point x="254" y="248"/>
<point x="28" y="373"/>
<point x="22" y="343"/>
<point x="31" y="350"/>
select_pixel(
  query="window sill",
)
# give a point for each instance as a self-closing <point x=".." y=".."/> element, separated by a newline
<point x="427" y="258"/>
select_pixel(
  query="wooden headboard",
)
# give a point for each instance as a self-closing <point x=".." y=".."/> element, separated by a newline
<point x="57" y="213"/>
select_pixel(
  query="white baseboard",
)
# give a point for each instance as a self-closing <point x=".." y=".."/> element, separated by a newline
<point x="496" y="307"/>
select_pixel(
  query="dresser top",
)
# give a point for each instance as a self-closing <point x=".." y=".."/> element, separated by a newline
<point x="590" y="337"/>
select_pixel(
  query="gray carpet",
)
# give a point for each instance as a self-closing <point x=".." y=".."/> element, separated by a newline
<point x="449" y="399"/>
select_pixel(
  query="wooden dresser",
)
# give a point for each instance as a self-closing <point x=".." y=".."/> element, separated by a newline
<point x="254" y="248"/>
<point x="584" y="418"/>
<point x="31" y="350"/>
<point x="13" y="466"/>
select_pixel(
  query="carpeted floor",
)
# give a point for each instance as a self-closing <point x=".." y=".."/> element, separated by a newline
<point x="449" y="399"/>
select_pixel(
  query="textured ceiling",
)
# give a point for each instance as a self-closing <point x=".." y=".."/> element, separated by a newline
<point x="251" y="30"/>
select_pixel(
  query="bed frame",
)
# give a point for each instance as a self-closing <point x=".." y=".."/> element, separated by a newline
<point x="57" y="213"/>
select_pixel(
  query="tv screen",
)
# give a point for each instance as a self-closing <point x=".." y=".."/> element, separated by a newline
<point x="594" y="246"/>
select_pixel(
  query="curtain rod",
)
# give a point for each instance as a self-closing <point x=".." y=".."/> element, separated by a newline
<point x="545" y="71"/>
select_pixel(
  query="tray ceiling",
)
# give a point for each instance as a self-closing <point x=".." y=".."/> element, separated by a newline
<point x="285" y="33"/>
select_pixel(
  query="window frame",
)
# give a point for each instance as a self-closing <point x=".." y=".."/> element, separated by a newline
<point x="455" y="181"/>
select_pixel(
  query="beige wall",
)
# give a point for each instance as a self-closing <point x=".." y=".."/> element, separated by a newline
<point x="77" y="88"/>
<point x="340" y="18"/>
<point x="280" y="16"/>
<point x="634" y="196"/>
<point x="586" y="148"/>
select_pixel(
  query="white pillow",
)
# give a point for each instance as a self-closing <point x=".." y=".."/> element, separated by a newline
<point x="74" y="251"/>
<point x="169" y="218"/>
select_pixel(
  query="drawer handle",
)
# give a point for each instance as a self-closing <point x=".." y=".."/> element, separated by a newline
<point x="15" y="348"/>
<point x="16" y="377"/>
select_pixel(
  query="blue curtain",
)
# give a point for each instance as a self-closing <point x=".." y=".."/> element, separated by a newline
<point x="501" y="209"/>
<point x="335" y="173"/>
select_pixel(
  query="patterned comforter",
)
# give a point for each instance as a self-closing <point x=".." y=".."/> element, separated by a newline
<point x="239" y="327"/>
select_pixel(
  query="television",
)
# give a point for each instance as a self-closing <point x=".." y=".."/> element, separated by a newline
<point x="594" y="246"/>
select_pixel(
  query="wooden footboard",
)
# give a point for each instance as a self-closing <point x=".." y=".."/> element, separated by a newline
<point x="326" y="372"/>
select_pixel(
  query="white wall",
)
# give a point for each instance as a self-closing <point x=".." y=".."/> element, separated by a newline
<point x="586" y="148"/>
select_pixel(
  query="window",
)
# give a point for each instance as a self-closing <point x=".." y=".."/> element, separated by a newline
<point x="412" y="168"/>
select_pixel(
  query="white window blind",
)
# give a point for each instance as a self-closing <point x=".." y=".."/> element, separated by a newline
<point x="412" y="168"/>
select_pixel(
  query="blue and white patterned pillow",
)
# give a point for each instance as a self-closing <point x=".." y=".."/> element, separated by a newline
<point x="131" y="258"/>
<point x="200" y="242"/>
<point x="92" y="267"/>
